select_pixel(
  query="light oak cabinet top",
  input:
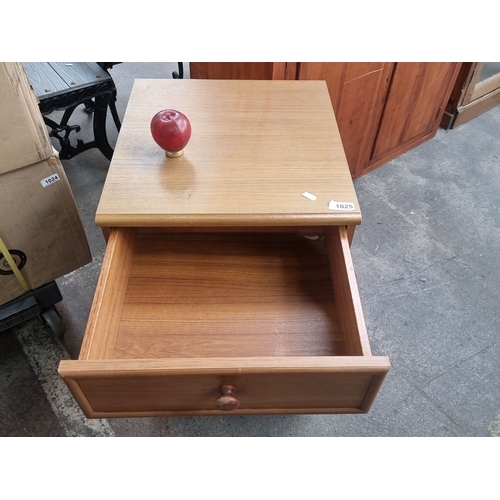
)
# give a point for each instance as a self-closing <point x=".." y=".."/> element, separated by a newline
<point x="255" y="148"/>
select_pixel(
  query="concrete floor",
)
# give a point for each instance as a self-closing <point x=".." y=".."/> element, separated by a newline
<point x="428" y="270"/>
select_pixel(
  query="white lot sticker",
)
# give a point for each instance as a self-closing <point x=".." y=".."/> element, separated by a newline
<point x="50" y="180"/>
<point x="341" y="205"/>
<point x="309" y="196"/>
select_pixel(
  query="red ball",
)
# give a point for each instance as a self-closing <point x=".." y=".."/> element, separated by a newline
<point x="171" y="130"/>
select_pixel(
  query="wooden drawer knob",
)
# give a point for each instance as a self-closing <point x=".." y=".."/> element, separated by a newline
<point x="227" y="401"/>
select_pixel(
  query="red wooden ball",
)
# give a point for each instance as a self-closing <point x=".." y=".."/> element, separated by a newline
<point x="171" y="130"/>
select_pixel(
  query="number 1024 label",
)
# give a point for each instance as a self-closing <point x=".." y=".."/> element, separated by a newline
<point x="52" y="179"/>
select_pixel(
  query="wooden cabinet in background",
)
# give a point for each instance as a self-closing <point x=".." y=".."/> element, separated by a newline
<point x="358" y="92"/>
<point x="476" y="90"/>
<point x="232" y="71"/>
<point x="382" y="109"/>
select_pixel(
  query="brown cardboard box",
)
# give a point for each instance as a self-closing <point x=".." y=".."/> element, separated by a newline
<point x="24" y="139"/>
<point x="40" y="225"/>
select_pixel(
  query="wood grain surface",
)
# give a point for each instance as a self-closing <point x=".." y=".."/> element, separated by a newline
<point x="256" y="147"/>
<point x="121" y="388"/>
<point x="198" y="295"/>
<point x="212" y="295"/>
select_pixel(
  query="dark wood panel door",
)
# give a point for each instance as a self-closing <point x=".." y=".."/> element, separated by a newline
<point x="415" y="104"/>
<point x="358" y="91"/>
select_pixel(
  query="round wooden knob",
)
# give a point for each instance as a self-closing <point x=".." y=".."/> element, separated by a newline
<point x="227" y="401"/>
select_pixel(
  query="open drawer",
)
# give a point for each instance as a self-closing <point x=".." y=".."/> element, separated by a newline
<point x="218" y="322"/>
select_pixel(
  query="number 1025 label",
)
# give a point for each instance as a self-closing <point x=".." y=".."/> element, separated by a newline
<point x="341" y="205"/>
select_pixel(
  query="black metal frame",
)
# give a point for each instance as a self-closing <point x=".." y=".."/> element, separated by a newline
<point x="97" y="99"/>
<point x="180" y="73"/>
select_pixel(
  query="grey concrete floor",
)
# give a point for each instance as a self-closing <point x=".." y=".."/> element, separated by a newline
<point x="427" y="262"/>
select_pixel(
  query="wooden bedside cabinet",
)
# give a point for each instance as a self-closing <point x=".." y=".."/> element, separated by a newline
<point x="225" y="289"/>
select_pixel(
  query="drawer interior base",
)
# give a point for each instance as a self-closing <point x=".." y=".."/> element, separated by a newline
<point x="224" y="294"/>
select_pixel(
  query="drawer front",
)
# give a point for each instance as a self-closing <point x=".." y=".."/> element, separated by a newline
<point x="223" y="323"/>
<point x="123" y="388"/>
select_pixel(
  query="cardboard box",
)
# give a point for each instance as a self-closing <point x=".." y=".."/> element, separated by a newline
<point x="24" y="138"/>
<point x="40" y="225"/>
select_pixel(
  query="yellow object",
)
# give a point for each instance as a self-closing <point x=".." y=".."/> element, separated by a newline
<point x="13" y="266"/>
